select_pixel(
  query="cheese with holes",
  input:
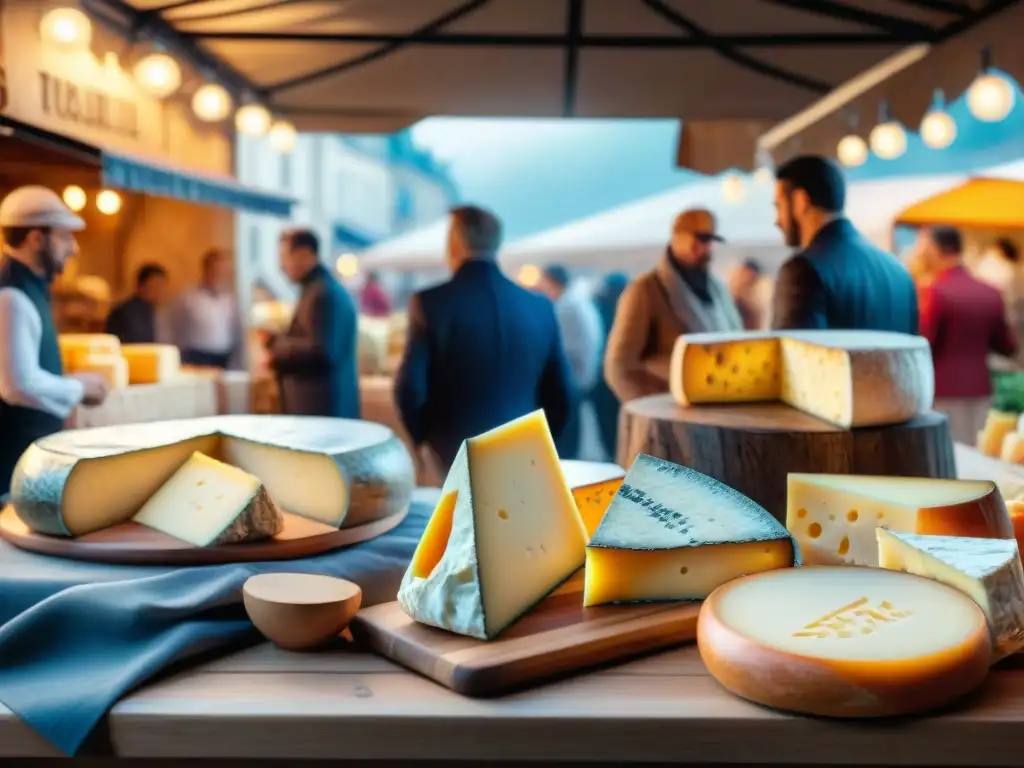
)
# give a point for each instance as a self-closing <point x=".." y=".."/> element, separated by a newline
<point x="997" y="426"/>
<point x="152" y="363"/>
<point x="852" y="379"/>
<point x="505" y="534"/>
<point x="833" y="517"/>
<point x="844" y="642"/>
<point x="112" y="367"/>
<point x="74" y="346"/>
<point x="208" y="503"/>
<point x="986" y="570"/>
<point x="334" y="471"/>
<point x="672" y="533"/>
<point x="593" y="485"/>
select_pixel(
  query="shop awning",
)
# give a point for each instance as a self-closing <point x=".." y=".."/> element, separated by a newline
<point x="135" y="174"/>
<point x="979" y="203"/>
<point x="358" y="66"/>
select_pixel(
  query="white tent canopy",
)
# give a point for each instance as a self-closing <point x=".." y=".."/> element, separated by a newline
<point x="873" y="206"/>
<point x="421" y="248"/>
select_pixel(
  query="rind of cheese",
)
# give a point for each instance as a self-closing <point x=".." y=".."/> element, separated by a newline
<point x="1016" y="510"/>
<point x="849" y="379"/>
<point x="112" y="367"/>
<point x="152" y="363"/>
<point x="208" y="503"/>
<point x="833" y="517"/>
<point x="73" y="346"/>
<point x="334" y="471"/>
<point x="593" y="485"/>
<point x="986" y="570"/>
<point x="505" y="534"/>
<point x="844" y="642"/>
<point x="672" y="533"/>
<point x="997" y="426"/>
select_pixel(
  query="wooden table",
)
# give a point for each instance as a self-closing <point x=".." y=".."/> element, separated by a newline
<point x="343" y="704"/>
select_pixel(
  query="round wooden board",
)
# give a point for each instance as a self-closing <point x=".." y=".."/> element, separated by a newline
<point x="753" y="447"/>
<point x="134" y="544"/>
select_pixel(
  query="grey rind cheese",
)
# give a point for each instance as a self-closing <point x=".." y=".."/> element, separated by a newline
<point x="260" y="520"/>
<point x="336" y="471"/>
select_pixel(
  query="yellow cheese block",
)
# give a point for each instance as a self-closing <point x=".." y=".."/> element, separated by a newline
<point x="997" y="426"/>
<point x="672" y="533"/>
<point x="850" y="379"/>
<point x="593" y="485"/>
<point x="833" y="517"/>
<point x="844" y="642"/>
<point x="73" y="346"/>
<point x="151" y="363"/>
<point x="112" y="367"/>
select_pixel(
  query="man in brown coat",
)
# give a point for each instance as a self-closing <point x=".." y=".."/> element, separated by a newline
<point x="680" y="295"/>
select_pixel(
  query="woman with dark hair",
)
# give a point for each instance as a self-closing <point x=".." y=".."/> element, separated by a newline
<point x="606" y="404"/>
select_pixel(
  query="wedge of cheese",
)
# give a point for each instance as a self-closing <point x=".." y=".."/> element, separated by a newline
<point x="112" y="367"/>
<point x="1012" y="449"/>
<point x="594" y="485"/>
<point x="833" y="517"/>
<point x="505" y="534"/>
<point x="152" y="363"/>
<point x="672" y="533"/>
<point x="986" y="570"/>
<point x="208" y="503"/>
<point x="844" y="642"/>
<point x="333" y="471"/>
<point x="849" y="379"/>
<point x="74" y="346"/>
<point x="997" y="426"/>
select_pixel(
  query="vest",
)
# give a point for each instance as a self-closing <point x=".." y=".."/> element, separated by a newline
<point x="22" y="426"/>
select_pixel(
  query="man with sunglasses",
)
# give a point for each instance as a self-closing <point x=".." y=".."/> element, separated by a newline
<point x="839" y="280"/>
<point x="680" y="295"/>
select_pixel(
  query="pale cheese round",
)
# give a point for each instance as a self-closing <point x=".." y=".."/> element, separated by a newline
<point x="844" y="641"/>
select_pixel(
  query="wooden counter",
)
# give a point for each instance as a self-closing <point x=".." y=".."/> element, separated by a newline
<point x="346" y="705"/>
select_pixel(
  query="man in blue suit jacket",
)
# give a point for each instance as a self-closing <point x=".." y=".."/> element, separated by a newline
<point x="481" y="350"/>
<point x="839" y="280"/>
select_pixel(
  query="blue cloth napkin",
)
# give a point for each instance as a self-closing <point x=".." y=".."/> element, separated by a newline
<point x="75" y="637"/>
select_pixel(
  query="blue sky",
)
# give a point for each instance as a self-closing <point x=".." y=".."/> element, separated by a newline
<point x="537" y="174"/>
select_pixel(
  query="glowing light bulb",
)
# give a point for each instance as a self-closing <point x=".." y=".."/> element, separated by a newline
<point x="158" y="74"/>
<point x="108" y="202"/>
<point x="74" y="197"/>
<point x="66" y="28"/>
<point x="252" y="119"/>
<point x="888" y="140"/>
<point x="991" y="97"/>
<point x="211" y="103"/>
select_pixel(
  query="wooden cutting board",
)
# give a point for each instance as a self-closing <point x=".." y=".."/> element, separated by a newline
<point x="558" y="638"/>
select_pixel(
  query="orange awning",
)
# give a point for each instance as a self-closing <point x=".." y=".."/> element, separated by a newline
<point x="980" y="203"/>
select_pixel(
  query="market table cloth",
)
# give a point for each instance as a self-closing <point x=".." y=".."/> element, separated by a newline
<point x="75" y="637"/>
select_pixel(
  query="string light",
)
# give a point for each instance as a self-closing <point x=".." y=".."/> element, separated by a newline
<point x="282" y="137"/>
<point x="158" y="74"/>
<point x="938" y="128"/>
<point x="852" y="150"/>
<point x="74" y="197"/>
<point x="108" y="202"/>
<point x="252" y="119"/>
<point x="734" y="188"/>
<point x="991" y="97"/>
<point x="66" y="28"/>
<point x="211" y="103"/>
<point x="888" y="139"/>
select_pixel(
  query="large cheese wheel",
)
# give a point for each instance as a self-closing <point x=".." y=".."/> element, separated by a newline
<point x="335" y="471"/>
<point x="844" y="641"/>
<point x="850" y="379"/>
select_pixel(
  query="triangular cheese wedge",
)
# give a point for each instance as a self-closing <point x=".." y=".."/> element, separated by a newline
<point x="986" y="570"/>
<point x="672" y="533"/>
<point x="505" y="534"/>
<point x="208" y="503"/>
<point x="594" y="485"/>
<point x="833" y="517"/>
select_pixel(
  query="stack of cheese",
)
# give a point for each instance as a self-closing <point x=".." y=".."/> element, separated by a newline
<point x="120" y="364"/>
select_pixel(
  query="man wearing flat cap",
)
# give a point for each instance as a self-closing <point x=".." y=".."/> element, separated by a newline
<point x="35" y="397"/>
<point x="680" y="295"/>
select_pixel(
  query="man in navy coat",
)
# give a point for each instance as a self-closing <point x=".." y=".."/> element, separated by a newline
<point x="839" y="280"/>
<point x="481" y="350"/>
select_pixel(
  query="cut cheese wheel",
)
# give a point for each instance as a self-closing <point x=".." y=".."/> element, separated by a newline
<point x="850" y="379"/>
<point x="593" y="485"/>
<point x="208" y="503"/>
<point x="74" y="346"/>
<point x="833" y="517"/>
<point x="672" y="533"/>
<point x="505" y="534"/>
<point x="844" y="642"/>
<point x="986" y="570"/>
<point x="152" y="363"/>
<point x="997" y="426"/>
<point x="112" y="367"/>
<point x="334" y="471"/>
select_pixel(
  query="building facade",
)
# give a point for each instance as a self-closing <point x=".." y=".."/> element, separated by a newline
<point x="353" y="191"/>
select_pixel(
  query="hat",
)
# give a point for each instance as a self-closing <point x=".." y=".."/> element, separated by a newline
<point x="698" y="221"/>
<point x="34" y="207"/>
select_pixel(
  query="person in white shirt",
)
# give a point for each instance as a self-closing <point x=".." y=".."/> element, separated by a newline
<point x="205" y="320"/>
<point x="35" y="397"/>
